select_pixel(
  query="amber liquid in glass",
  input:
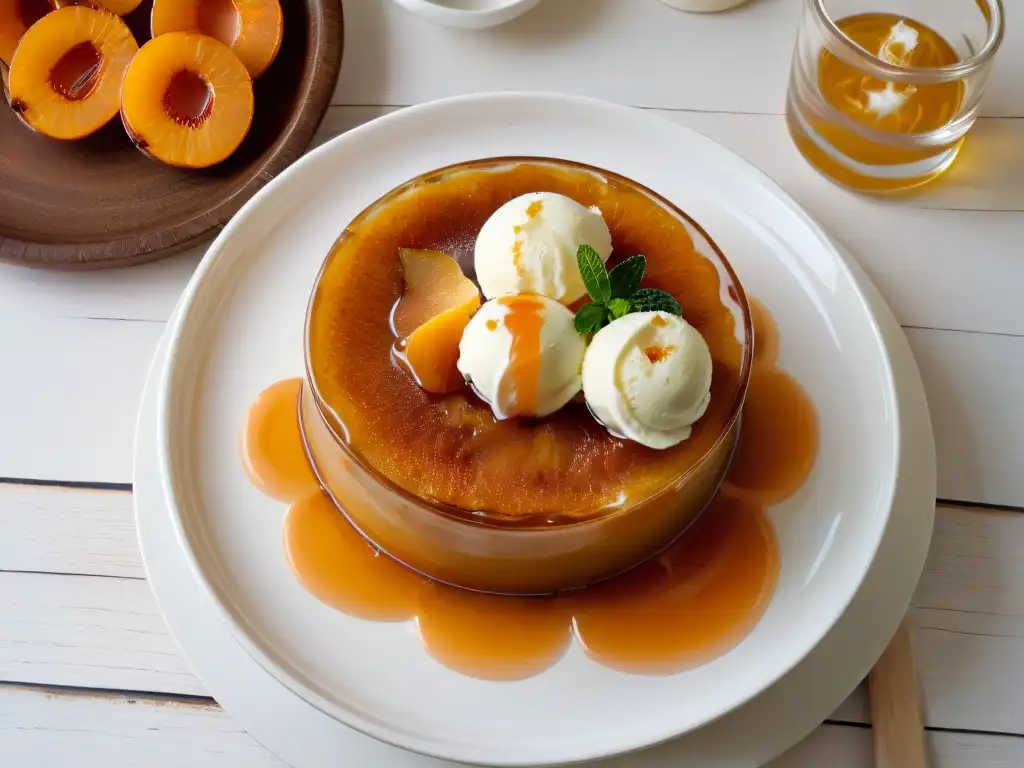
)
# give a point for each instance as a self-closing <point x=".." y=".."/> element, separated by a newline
<point x="894" y="108"/>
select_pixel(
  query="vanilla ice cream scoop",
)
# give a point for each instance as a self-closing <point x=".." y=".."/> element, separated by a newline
<point x="529" y="246"/>
<point x="522" y="355"/>
<point x="647" y="377"/>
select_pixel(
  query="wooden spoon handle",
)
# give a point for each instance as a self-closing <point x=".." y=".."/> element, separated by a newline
<point x="897" y="726"/>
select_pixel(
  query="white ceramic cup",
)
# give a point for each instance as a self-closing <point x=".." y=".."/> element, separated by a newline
<point x="703" y="6"/>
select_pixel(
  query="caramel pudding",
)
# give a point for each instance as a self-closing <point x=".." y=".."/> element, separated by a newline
<point x="684" y="607"/>
<point x="516" y="505"/>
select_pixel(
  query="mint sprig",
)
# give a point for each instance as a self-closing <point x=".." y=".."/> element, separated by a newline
<point x="625" y="277"/>
<point x="589" y="318"/>
<point x="653" y="300"/>
<point x="617" y="293"/>
<point x="595" y="276"/>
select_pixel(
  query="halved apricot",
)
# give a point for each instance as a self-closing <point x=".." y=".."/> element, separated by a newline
<point x="66" y="74"/>
<point x="436" y="305"/>
<point x="187" y="100"/>
<point x="118" y="7"/>
<point x="251" y="28"/>
<point x="16" y="16"/>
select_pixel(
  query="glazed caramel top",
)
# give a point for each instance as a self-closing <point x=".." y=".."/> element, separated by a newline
<point x="450" y="449"/>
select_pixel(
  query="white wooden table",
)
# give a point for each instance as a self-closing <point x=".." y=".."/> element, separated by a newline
<point x="89" y="675"/>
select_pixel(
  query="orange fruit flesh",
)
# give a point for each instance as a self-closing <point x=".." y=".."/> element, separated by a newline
<point x="187" y="100"/>
<point x="65" y="78"/>
<point x="253" y="29"/>
<point x="432" y="350"/>
<point x="118" y="7"/>
<point x="433" y="311"/>
<point x="16" y="16"/>
<point x="433" y="283"/>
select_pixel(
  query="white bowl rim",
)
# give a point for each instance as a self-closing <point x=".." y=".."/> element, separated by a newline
<point x="438" y="11"/>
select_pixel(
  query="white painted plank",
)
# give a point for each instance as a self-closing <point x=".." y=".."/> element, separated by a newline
<point x="145" y="292"/>
<point x="69" y="393"/>
<point x="73" y="531"/>
<point x="87" y="631"/>
<point x="968" y="616"/>
<point x="834" y="746"/>
<point x="41" y="730"/>
<point x="968" y="621"/>
<point x="632" y="51"/>
<point x="973" y="386"/>
<point x="985" y="177"/>
<point x="946" y="259"/>
<point x="46" y="730"/>
<point x="74" y="415"/>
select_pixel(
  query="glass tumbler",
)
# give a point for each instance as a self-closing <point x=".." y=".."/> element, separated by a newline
<point x="880" y="101"/>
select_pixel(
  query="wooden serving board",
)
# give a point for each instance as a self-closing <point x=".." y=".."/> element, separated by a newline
<point x="100" y="202"/>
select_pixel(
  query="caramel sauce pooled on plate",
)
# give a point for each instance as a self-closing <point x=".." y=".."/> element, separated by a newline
<point x="690" y="604"/>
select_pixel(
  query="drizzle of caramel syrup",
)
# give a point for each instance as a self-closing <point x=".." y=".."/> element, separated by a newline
<point x="272" y="450"/>
<point x="519" y="385"/>
<point x="685" y="607"/>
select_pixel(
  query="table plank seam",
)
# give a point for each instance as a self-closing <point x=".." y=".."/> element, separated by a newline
<point x="113" y="319"/>
<point x="963" y="330"/>
<point x="77" y="485"/>
<point x="981" y="506"/>
<point x="208" y="703"/>
<point x="948" y="631"/>
<point x="932" y="728"/>
<point x="113" y="694"/>
<point x="71" y="574"/>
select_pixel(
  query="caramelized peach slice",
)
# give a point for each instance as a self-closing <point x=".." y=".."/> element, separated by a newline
<point x="118" y="7"/>
<point x="187" y="100"/>
<point x="252" y="28"/>
<point x="16" y="16"/>
<point x="65" y="78"/>
<point x="434" y="310"/>
<point x="434" y="283"/>
<point x="432" y="350"/>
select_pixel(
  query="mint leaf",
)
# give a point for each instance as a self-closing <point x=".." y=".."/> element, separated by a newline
<point x="589" y="318"/>
<point x="654" y="300"/>
<point x="625" y="277"/>
<point x="618" y="308"/>
<point x="595" y="276"/>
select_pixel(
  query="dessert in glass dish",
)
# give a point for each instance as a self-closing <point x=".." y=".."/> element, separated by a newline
<point x="523" y="375"/>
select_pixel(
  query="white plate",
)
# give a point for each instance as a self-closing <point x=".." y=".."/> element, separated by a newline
<point x="240" y="329"/>
<point x="305" y="737"/>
